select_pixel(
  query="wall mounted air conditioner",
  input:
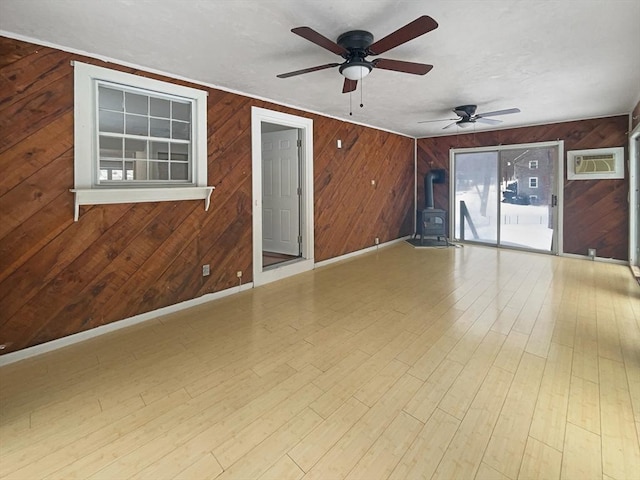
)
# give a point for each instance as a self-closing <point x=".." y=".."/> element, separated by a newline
<point x="595" y="164"/>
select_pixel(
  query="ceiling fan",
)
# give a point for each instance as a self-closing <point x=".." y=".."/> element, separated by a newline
<point x="467" y="116"/>
<point x="354" y="46"/>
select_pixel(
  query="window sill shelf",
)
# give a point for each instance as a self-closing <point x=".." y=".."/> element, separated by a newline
<point x="137" y="195"/>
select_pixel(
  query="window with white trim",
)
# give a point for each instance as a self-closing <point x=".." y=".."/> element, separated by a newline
<point x="533" y="164"/>
<point x="533" y="199"/>
<point x="533" y="182"/>
<point x="137" y="139"/>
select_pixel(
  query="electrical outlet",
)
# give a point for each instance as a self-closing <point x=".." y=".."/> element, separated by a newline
<point x="592" y="253"/>
<point x="239" y="274"/>
<point x="206" y="270"/>
<point x="377" y="241"/>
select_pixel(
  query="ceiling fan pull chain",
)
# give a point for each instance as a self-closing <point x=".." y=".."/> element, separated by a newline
<point x="361" y="88"/>
<point x="350" y="107"/>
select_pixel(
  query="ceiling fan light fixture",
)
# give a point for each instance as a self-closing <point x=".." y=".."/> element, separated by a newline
<point x="355" y="70"/>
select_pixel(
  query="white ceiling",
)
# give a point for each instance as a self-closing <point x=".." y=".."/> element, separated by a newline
<point x="555" y="60"/>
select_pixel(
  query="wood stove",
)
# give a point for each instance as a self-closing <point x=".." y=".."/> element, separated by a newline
<point x="432" y="222"/>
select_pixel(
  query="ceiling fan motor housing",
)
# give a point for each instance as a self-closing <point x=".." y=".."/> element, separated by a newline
<point x="356" y="43"/>
<point x="356" y="40"/>
<point x="465" y="111"/>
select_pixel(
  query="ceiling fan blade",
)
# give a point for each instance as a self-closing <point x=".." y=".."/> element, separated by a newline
<point x="419" y="26"/>
<point x="499" y="112"/>
<point x="307" y="70"/>
<point x="440" y="120"/>
<point x="402" y="66"/>
<point x="488" y="121"/>
<point x="450" y="125"/>
<point x="349" y="85"/>
<point x="313" y="36"/>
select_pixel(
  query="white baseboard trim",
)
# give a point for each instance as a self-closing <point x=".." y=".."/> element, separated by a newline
<point x="143" y="317"/>
<point x="347" y="256"/>
<point x="278" y="273"/>
<point x="111" y="327"/>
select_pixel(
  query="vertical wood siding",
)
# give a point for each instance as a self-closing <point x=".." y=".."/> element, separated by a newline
<point x="59" y="277"/>
<point x="596" y="212"/>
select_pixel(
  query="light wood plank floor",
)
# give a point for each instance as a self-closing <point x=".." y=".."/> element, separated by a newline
<point x="456" y="363"/>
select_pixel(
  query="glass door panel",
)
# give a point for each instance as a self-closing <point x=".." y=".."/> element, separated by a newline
<point x="527" y="184"/>
<point x="476" y="197"/>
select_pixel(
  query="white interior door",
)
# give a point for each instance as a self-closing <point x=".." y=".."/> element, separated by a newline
<point x="280" y="198"/>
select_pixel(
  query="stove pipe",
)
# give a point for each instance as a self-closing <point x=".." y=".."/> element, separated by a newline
<point x="434" y="176"/>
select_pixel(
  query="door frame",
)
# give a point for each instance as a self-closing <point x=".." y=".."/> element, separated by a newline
<point x="559" y="187"/>
<point x="634" y="197"/>
<point x="305" y="129"/>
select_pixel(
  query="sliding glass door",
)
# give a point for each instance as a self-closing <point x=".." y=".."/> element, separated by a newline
<point x="507" y="196"/>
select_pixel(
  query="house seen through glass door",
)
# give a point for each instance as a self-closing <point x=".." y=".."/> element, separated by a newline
<point x="507" y="196"/>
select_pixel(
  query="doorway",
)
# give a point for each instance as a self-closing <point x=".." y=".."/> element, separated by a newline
<point x="282" y="184"/>
<point x="281" y="191"/>
<point x="508" y="196"/>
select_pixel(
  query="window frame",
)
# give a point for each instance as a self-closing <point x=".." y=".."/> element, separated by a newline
<point x="533" y="164"/>
<point x="87" y="190"/>
<point x="536" y="181"/>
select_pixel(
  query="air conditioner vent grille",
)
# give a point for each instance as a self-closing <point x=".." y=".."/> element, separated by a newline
<point x="596" y="158"/>
<point x="595" y="164"/>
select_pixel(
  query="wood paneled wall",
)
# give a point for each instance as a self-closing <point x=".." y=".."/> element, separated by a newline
<point x="59" y="277"/>
<point x="596" y="212"/>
